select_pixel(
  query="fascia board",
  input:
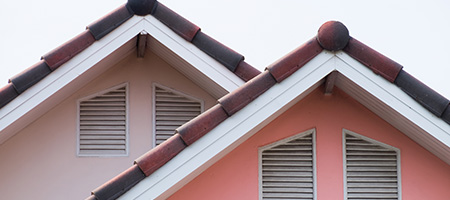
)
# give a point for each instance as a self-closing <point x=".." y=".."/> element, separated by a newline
<point x="194" y="56"/>
<point x="65" y="74"/>
<point x="233" y="131"/>
<point x="394" y="97"/>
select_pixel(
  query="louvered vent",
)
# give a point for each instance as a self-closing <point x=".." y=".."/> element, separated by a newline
<point x="287" y="169"/>
<point x="172" y="109"/>
<point x="103" y="124"/>
<point x="371" y="169"/>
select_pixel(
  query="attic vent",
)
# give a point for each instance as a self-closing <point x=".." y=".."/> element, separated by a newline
<point x="287" y="168"/>
<point x="372" y="168"/>
<point x="103" y="123"/>
<point x="172" y="109"/>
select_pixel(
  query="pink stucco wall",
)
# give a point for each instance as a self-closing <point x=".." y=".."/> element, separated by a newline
<point x="235" y="176"/>
<point x="40" y="162"/>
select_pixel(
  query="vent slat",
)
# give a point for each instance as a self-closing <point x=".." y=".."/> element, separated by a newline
<point x="287" y="170"/>
<point x="371" y="169"/>
<point x="172" y="109"/>
<point x="103" y="124"/>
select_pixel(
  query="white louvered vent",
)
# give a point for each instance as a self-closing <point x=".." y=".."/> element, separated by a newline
<point x="172" y="109"/>
<point x="287" y="168"/>
<point x="103" y="124"/>
<point x="371" y="169"/>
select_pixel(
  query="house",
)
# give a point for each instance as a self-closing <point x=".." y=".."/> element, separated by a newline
<point x="332" y="119"/>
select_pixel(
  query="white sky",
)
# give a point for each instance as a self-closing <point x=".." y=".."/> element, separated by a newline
<point x="415" y="34"/>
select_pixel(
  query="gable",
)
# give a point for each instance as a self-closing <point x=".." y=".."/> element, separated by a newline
<point x="236" y="174"/>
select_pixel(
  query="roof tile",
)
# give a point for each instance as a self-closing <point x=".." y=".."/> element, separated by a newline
<point x="202" y="124"/>
<point x="446" y="115"/>
<point x="426" y="96"/>
<point x="110" y="21"/>
<point x="242" y="96"/>
<point x="293" y="61"/>
<point x="7" y="94"/>
<point x="119" y="184"/>
<point x="177" y="23"/>
<point x="65" y="52"/>
<point x="245" y="71"/>
<point x="160" y="155"/>
<point x="217" y="50"/>
<point x="377" y="62"/>
<point x="333" y="36"/>
<point x="30" y="76"/>
<point x="141" y="7"/>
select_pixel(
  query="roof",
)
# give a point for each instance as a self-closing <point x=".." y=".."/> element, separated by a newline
<point x="190" y="32"/>
<point x="333" y="37"/>
<point x="216" y="68"/>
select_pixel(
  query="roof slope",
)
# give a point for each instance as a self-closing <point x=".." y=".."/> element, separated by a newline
<point x="100" y="28"/>
<point x="332" y="36"/>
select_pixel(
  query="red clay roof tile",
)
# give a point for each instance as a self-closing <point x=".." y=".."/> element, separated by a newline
<point x="177" y="23"/>
<point x="293" y="61"/>
<point x="30" y="76"/>
<point x="109" y="22"/>
<point x="202" y="124"/>
<point x="65" y="52"/>
<point x="141" y="7"/>
<point x="426" y="96"/>
<point x="333" y="36"/>
<point x="377" y="62"/>
<point x="217" y="50"/>
<point x="119" y="184"/>
<point x="242" y="96"/>
<point x="7" y="94"/>
<point x="160" y="155"/>
<point x="245" y="71"/>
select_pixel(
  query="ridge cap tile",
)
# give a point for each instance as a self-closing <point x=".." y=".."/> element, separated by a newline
<point x="141" y="7"/>
<point x="239" y="98"/>
<point x="294" y="60"/>
<point x="109" y="22"/>
<point x="30" y="76"/>
<point x="7" y="94"/>
<point x="180" y="25"/>
<point x="160" y="155"/>
<point x="245" y="71"/>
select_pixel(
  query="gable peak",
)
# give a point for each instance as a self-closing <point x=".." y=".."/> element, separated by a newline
<point x="333" y="36"/>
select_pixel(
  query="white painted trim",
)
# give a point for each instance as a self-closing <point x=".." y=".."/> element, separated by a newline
<point x="344" y="146"/>
<point x="194" y="56"/>
<point x="232" y="132"/>
<point x="154" y="85"/>
<point x="127" y="127"/>
<point x="283" y="141"/>
<point x="393" y="96"/>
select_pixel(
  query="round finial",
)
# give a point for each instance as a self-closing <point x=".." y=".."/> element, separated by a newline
<point x="141" y="7"/>
<point x="333" y="36"/>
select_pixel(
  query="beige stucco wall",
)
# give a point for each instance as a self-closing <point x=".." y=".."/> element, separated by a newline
<point x="40" y="162"/>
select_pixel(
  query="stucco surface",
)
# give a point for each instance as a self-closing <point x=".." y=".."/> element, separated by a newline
<point x="235" y="176"/>
<point x="40" y="162"/>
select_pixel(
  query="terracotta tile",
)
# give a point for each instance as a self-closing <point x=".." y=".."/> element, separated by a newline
<point x="109" y="22"/>
<point x="377" y="62"/>
<point x="7" y="94"/>
<point x="141" y="7"/>
<point x="65" y="52"/>
<point x="333" y="36"/>
<point x="426" y="96"/>
<point x="119" y="184"/>
<point x="446" y="115"/>
<point x="218" y="51"/>
<point x="293" y="61"/>
<point x="245" y="94"/>
<point x="160" y="155"/>
<point x="246" y="71"/>
<point x="202" y="124"/>
<point x="177" y="23"/>
<point x="30" y="76"/>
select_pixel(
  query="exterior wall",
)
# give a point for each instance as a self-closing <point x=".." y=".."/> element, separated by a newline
<point x="40" y="162"/>
<point x="235" y="176"/>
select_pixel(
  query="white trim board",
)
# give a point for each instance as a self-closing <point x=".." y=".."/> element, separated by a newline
<point x="242" y="125"/>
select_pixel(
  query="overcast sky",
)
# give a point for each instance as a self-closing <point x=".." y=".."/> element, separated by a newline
<point x="416" y="34"/>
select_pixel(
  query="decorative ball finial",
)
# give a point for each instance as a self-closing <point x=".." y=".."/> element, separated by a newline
<point x="141" y="7"/>
<point x="333" y="36"/>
